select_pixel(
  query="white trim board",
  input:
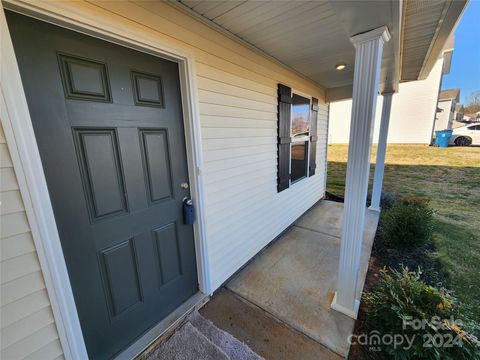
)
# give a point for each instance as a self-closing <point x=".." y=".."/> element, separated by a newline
<point x="25" y="155"/>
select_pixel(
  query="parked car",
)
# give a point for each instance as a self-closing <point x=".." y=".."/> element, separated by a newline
<point x="466" y="135"/>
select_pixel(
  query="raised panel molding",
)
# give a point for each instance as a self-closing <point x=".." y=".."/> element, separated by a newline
<point x="121" y="277"/>
<point x="156" y="163"/>
<point x="168" y="251"/>
<point x="84" y="79"/>
<point x="147" y="89"/>
<point x="101" y="171"/>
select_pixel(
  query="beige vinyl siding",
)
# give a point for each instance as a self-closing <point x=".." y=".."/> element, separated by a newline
<point x="27" y="329"/>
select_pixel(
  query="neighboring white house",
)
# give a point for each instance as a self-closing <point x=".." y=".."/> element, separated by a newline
<point x="459" y="112"/>
<point x="472" y="117"/>
<point x="459" y="117"/>
<point x="446" y="109"/>
<point x="412" y="114"/>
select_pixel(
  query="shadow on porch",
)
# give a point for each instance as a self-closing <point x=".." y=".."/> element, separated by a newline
<point x="280" y="303"/>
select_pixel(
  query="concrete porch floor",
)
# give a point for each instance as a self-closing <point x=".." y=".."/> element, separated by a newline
<point x="294" y="279"/>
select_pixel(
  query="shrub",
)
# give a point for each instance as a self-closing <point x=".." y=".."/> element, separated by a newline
<point x="404" y="306"/>
<point x="387" y="199"/>
<point x="408" y="222"/>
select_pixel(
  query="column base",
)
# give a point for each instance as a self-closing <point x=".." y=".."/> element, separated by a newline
<point x="342" y="309"/>
<point x="374" y="208"/>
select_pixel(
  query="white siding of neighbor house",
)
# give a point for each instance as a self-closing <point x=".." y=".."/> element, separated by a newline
<point x="445" y="117"/>
<point x="27" y="328"/>
<point x="237" y="93"/>
<point x="411" y="117"/>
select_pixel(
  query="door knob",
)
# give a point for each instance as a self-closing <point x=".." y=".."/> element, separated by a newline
<point x="184" y="185"/>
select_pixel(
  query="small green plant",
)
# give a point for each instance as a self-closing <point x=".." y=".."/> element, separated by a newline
<point x="408" y="222"/>
<point x="412" y="320"/>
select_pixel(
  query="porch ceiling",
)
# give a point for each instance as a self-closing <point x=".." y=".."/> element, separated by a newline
<point x="311" y="37"/>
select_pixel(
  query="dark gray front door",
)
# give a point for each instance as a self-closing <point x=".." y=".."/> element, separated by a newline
<point x="108" y="122"/>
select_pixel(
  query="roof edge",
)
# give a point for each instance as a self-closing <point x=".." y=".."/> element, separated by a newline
<point x="447" y="26"/>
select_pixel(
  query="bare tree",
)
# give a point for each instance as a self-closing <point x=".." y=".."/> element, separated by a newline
<point x="473" y="105"/>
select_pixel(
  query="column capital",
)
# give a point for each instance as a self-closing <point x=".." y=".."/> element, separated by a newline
<point x="375" y="34"/>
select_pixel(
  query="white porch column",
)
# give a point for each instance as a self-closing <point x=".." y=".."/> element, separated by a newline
<point x="381" y="150"/>
<point x="368" y="57"/>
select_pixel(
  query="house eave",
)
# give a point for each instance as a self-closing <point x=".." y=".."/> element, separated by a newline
<point x="314" y="58"/>
<point x="186" y="10"/>
<point x="419" y="18"/>
<point x="446" y="26"/>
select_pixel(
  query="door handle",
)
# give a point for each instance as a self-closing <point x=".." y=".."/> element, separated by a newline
<point x="184" y="185"/>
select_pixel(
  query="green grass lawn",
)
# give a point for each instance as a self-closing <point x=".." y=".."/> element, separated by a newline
<point x="450" y="178"/>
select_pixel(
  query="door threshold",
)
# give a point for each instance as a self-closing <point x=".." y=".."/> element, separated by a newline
<point x="170" y="323"/>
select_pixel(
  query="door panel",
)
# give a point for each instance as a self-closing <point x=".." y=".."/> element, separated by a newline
<point x="102" y="176"/>
<point x="122" y="280"/>
<point x="109" y="127"/>
<point x="168" y="254"/>
<point x="84" y="79"/>
<point x="156" y="161"/>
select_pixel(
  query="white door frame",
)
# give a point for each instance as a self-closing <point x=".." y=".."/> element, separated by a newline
<point x="18" y="129"/>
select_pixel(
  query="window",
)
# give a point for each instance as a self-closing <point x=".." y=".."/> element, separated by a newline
<point x="297" y="137"/>
<point x="300" y="135"/>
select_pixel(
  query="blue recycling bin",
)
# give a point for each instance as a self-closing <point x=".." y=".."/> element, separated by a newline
<point x="442" y="137"/>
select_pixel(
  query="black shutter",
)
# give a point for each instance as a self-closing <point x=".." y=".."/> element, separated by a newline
<point x="313" y="137"/>
<point x="284" y="139"/>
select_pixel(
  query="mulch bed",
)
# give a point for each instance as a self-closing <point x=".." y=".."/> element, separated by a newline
<point x="385" y="256"/>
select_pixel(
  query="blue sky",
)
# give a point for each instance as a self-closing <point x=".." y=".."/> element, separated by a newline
<point x="465" y="70"/>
